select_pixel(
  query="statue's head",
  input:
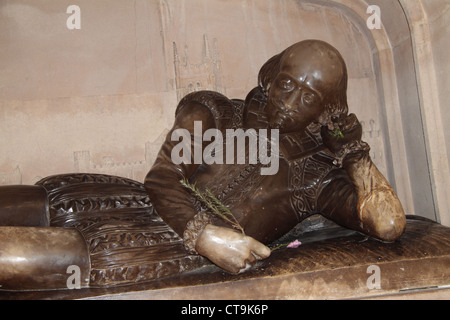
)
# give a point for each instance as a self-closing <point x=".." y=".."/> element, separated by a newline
<point x="305" y="83"/>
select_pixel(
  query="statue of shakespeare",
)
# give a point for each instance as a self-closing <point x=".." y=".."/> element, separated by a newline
<point x="119" y="231"/>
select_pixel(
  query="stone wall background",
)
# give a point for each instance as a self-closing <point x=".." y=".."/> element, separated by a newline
<point x="102" y="98"/>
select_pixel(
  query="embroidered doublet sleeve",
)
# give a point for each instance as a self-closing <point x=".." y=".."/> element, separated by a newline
<point x="172" y="201"/>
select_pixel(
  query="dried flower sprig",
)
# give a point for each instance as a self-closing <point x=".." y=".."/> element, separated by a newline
<point x="291" y="245"/>
<point x="214" y="204"/>
<point x="337" y="133"/>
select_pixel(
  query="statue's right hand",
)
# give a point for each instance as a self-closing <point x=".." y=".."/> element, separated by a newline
<point x="229" y="249"/>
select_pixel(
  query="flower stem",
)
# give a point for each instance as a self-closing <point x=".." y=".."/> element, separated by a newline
<point x="214" y="204"/>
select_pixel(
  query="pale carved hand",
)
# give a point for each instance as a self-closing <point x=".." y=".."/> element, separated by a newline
<point x="229" y="249"/>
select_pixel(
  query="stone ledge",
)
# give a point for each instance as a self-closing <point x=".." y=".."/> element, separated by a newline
<point x="330" y="264"/>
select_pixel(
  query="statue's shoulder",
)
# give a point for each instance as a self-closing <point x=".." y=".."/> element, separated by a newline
<point x="227" y="112"/>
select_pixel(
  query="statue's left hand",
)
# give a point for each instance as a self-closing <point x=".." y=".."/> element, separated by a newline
<point x="346" y="130"/>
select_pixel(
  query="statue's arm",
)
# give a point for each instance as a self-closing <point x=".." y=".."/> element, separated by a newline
<point x="225" y="247"/>
<point x="378" y="208"/>
<point x="359" y="196"/>
<point x="171" y="200"/>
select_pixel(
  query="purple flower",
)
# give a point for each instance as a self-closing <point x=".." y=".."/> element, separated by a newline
<point x="294" y="244"/>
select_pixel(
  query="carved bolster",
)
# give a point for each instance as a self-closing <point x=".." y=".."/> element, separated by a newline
<point x="41" y="257"/>
<point x="23" y="206"/>
<point x="193" y="230"/>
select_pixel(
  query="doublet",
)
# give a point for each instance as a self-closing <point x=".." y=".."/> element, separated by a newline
<point x="127" y="236"/>
<point x="306" y="167"/>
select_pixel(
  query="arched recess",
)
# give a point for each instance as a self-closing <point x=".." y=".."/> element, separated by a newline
<point x="403" y="138"/>
<point x="409" y="153"/>
<point x="433" y="92"/>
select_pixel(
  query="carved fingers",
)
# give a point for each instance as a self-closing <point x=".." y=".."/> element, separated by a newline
<point x="341" y="132"/>
<point x="251" y="251"/>
<point x="230" y="250"/>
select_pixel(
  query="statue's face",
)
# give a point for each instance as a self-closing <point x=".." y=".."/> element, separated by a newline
<point x="298" y="95"/>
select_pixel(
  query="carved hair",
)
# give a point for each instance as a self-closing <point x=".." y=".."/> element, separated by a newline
<point x="335" y="101"/>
